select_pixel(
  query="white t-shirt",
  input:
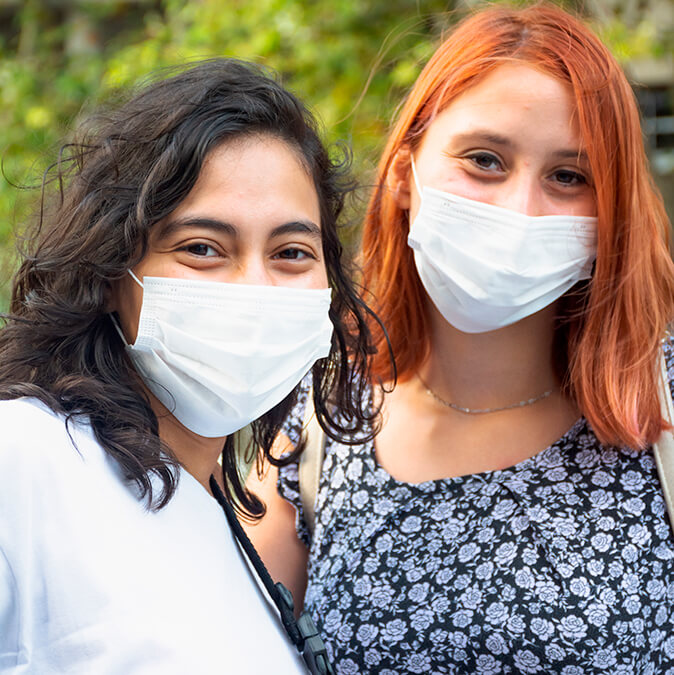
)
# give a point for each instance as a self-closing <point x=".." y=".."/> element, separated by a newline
<point x="92" y="582"/>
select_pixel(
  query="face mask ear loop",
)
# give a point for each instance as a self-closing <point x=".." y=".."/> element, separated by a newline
<point x="414" y="173"/>
<point x="113" y="318"/>
<point x="135" y="278"/>
<point x="118" y="328"/>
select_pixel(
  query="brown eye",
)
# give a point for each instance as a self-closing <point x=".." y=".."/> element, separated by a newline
<point x="569" y="178"/>
<point x="293" y="254"/>
<point x="486" y="161"/>
<point x="200" y="249"/>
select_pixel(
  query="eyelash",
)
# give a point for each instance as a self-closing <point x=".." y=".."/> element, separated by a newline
<point x="187" y="248"/>
<point x="295" y="249"/>
<point x="577" y="177"/>
<point x="475" y="157"/>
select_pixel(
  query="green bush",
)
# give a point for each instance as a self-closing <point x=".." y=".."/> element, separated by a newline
<point x="351" y="60"/>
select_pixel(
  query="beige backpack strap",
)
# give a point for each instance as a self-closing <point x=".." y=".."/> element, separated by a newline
<point x="311" y="462"/>
<point x="663" y="448"/>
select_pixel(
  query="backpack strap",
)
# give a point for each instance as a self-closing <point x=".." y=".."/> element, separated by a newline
<point x="311" y="462"/>
<point x="663" y="448"/>
<point x="243" y="444"/>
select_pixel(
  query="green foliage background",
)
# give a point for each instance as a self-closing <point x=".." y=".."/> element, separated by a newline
<point x="351" y="60"/>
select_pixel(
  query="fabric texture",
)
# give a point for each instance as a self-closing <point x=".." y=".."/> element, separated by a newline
<point x="91" y="581"/>
<point x="563" y="563"/>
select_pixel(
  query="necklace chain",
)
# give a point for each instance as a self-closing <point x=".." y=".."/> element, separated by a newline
<point x="482" y="411"/>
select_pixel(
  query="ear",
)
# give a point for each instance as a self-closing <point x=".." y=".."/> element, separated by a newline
<point x="399" y="177"/>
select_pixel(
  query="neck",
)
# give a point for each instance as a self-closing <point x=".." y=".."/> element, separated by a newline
<point x="198" y="455"/>
<point x="488" y="370"/>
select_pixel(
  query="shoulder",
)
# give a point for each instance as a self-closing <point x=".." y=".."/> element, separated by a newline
<point x="27" y="415"/>
<point x="41" y="469"/>
<point x="35" y="440"/>
<point x="27" y="421"/>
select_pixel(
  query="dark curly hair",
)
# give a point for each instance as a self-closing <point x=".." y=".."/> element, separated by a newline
<point x="129" y="168"/>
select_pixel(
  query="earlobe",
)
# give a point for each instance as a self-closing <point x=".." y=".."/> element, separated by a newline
<point x="399" y="177"/>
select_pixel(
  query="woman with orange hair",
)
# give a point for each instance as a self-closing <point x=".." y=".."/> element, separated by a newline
<point x="508" y="517"/>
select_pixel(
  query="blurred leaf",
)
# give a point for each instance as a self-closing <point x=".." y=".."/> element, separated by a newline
<point x="352" y="61"/>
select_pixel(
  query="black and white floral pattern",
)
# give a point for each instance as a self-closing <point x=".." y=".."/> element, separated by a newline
<point x="563" y="563"/>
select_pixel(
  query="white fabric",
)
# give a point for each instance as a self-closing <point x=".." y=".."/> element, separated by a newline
<point x="219" y="355"/>
<point x="485" y="267"/>
<point x="91" y="582"/>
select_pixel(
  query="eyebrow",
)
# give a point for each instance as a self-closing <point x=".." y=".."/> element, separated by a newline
<point x="491" y="137"/>
<point x="579" y="155"/>
<point x="298" y="227"/>
<point x="478" y="134"/>
<point x="172" y="226"/>
<point x="294" y="227"/>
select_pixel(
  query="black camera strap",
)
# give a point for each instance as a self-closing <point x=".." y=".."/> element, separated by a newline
<point x="302" y="632"/>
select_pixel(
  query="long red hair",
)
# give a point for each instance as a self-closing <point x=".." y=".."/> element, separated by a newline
<point x="608" y="349"/>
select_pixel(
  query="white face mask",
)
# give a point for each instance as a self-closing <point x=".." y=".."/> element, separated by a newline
<point x="218" y="355"/>
<point x="485" y="267"/>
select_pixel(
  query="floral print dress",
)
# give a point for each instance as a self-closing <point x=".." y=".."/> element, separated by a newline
<point x="563" y="563"/>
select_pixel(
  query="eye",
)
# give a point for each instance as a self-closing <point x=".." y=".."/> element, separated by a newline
<point x="200" y="249"/>
<point x="293" y="253"/>
<point x="567" y="177"/>
<point x="485" y="161"/>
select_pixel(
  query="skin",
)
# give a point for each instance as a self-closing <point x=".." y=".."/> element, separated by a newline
<point x="252" y="217"/>
<point x="511" y="141"/>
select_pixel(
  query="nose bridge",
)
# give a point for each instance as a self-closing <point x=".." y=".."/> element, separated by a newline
<point x="524" y="193"/>
<point x="252" y="269"/>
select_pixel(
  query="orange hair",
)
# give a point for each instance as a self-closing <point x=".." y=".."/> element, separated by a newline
<point x="609" y="346"/>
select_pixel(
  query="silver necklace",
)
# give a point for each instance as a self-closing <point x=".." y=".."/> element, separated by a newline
<point x="482" y="411"/>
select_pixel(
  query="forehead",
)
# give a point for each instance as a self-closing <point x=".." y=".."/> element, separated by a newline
<point x="244" y="157"/>
<point x="253" y="177"/>
<point x="516" y="100"/>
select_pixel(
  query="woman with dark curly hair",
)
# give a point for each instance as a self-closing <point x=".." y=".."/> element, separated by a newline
<point x="188" y="277"/>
